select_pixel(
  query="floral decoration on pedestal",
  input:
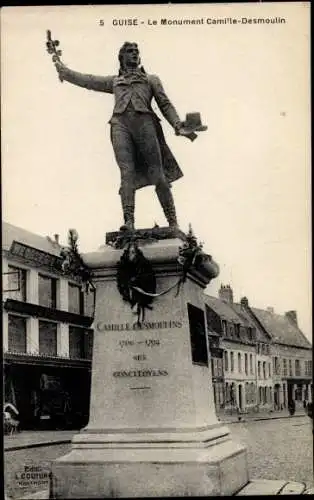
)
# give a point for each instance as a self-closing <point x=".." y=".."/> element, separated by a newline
<point x="73" y="263"/>
<point x="136" y="279"/>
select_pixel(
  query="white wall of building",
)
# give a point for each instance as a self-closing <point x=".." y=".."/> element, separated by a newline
<point x="32" y="296"/>
<point x="244" y="381"/>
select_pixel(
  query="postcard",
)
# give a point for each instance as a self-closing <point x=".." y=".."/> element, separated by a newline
<point x="152" y="154"/>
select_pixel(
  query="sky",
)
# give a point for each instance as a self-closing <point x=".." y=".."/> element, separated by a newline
<point x="246" y="184"/>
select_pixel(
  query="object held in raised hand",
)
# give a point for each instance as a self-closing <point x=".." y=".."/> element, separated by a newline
<point x="52" y="49"/>
<point x="192" y="124"/>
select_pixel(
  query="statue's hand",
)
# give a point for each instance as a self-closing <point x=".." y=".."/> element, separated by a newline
<point x="186" y="133"/>
<point x="60" y="67"/>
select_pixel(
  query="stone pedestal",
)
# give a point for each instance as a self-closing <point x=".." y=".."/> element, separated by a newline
<point x="152" y="431"/>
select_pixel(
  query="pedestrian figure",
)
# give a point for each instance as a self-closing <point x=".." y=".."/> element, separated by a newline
<point x="291" y="407"/>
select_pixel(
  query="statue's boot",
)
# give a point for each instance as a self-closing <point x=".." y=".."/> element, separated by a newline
<point x="128" y="206"/>
<point x="166" y="200"/>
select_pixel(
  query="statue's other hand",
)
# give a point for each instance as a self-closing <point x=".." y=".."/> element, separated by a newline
<point x="186" y="133"/>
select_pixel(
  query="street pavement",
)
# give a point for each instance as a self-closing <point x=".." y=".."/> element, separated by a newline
<point x="278" y="449"/>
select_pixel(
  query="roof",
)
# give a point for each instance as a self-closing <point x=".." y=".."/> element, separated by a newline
<point x="261" y="336"/>
<point x="278" y="327"/>
<point x="224" y="310"/>
<point x="236" y="314"/>
<point x="281" y="328"/>
<point x="12" y="233"/>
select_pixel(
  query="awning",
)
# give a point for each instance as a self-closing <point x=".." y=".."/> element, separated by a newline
<point x="299" y="380"/>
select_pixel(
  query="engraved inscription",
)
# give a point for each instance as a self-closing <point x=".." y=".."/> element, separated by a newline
<point x="101" y="326"/>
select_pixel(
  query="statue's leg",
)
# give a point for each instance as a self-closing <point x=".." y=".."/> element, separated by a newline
<point x="127" y="194"/>
<point x="165" y="198"/>
<point x="124" y="152"/>
<point x="149" y="146"/>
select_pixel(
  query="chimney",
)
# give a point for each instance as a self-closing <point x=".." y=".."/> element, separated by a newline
<point x="56" y="237"/>
<point x="244" y="302"/>
<point x="226" y="293"/>
<point x="292" y="316"/>
<point x="270" y="310"/>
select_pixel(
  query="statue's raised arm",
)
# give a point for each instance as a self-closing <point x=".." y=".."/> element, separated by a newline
<point x="87" y="81"/>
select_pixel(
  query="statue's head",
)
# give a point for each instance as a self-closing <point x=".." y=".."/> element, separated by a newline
<point x="129" y="56"/>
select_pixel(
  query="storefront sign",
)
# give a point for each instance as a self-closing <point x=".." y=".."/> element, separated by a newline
<point x="33" y="254"/>
<point x="140" y="373"/>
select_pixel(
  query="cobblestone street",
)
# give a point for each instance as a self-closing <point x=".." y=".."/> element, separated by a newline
<point x="278" y="449"/>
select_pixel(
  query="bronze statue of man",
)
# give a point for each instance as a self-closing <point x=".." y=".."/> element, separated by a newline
<point x="138" y="141"/>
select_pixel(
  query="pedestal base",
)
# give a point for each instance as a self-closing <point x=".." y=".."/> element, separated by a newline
<point x="152" y="430"/>
<point x="151" y="472"/>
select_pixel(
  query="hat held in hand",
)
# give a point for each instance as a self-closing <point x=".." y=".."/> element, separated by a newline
<point x="193" y="123"/>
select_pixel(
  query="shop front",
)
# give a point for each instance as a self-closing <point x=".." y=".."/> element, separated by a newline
<point x="299" y="390"/>
<point x="49" y="393"/>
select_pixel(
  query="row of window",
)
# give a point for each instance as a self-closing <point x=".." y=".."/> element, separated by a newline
<point x="248" y="362"/>
<point x="263" y="349"/>
<point x="264" y="369"/>
<point x="80" y="340"/>
<point x="264" y="395"/>
<point x="47" y="291"/>
<point x="291" y="368"/>
<point x="235" y="330"/>
<point x="240" y="395"/>
<point x="250" y="393"/>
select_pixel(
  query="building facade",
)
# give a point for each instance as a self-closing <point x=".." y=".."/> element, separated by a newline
<point x="291" y="357"/>
<point x="217" y="365"/>
<point x="237" y="340"/>
<point x="267" y="361"/>
<point x="47" y="339"/>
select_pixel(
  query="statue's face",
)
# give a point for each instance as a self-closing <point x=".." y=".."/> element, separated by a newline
<point x="131" y="57"/>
